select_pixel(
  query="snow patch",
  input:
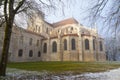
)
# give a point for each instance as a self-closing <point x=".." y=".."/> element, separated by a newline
<point x="17" y="74"/>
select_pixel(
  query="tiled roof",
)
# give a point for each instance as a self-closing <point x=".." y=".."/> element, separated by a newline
<point x="64" y="22"/>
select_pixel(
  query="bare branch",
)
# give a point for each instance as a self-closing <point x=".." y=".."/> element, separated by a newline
<point x="5" y="10"/>
<point x="19" y="5"/>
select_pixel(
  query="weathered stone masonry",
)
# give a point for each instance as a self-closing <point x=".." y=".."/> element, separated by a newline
<point x="66" y="40"/>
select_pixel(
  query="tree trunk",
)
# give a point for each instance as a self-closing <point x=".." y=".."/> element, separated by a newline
<point x="5" y="50"/>
<point x="9" y="15"/>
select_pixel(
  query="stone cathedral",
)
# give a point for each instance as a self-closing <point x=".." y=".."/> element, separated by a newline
<point x="66" y="40"/>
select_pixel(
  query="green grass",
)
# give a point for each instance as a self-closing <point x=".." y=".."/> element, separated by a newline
<point x="62" y="67"/>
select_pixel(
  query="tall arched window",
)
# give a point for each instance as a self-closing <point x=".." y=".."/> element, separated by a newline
<point x="101" y="46"/>
<point x="37" y="44"/>
<point x="65" y="44"/>
<point x="86" y="44"/>
<point x="39" y="54"/>
<point x="30" y="53"/>
<point x="73" y="44"/>
<point x="20" y="52"/>
<point x="45" y="48"/>
<point x="54" y="47"/>
<point x="93" y="44"/>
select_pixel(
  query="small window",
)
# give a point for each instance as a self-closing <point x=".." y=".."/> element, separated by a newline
<point x="45" y="48"/>
<point x="93" y="44"/>
<point x="101" y="46"/>
<point x="37" y="43"/>
<point x="30" y="42"/>
<point x="86" y="44"/>
<point x="30" y="53"/>
<point x="54" y="47"/>
<point x="20" y="53"/>
<point x="73" y="44"/>
<point x="65" y="44"/>
<point x="71" y="28"/>
<point x="39" y="54"/>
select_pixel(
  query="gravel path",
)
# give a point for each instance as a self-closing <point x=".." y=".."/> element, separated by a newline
<point x="16" y="74"/>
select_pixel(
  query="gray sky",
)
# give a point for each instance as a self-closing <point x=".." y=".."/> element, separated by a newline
<point x="74" y="8"/>
<point x="78" y="9"/>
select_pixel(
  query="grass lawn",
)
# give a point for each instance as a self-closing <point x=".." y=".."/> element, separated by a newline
<point x="62" y="67"/>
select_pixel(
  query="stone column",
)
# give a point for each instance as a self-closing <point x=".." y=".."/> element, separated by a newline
<point x="97" y="48"/>
<point x="59" y="43"/>
<point x="49" y="49"/>
<point x="91" y="48"/>
<point x="80" y="47"/>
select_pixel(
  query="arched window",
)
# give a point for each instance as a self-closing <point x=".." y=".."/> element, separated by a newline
<point x="20" y="53"/>
<point x="37" y="44"/>
<point x="30" y="53"/>
<point x="93" y="44"/>
<point x="86" y="44"/>
<point x="65" y="44"/>
<point x="73" y="44"/>
<point x="45" y="48"/>
<point x="101" y="46"/>
<point x="54" y="47"/>
<point x="39" y="54"/>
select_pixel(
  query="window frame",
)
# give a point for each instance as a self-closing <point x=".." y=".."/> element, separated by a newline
<point x="54" y="46"/>
<point x="45" y="48"/>
<point x="65" y="44"/>
<point x="94" y="44"/>
<point x="20" y="52"/>
<point x="37" y="43"/>
<point x="39" y="54"/>
<point x="30" y="53"/>
<point x="101" y="45"/>
<point x="87" y="44"/>
<point x="73" y="44"/>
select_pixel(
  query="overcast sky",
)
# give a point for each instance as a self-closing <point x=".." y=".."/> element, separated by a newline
<point x="78" y="9"/>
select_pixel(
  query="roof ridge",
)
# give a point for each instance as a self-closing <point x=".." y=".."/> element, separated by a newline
<point x="65" y="21"/>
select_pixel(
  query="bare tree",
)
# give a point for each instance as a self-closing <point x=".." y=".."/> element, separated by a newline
<point x="108" y="11"/>
<point x="12" y="8"/>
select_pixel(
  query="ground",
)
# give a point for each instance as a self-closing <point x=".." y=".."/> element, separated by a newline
<point x="63" y="67"/>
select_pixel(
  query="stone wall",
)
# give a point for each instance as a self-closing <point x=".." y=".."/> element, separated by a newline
<point x="32" y="41"/>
